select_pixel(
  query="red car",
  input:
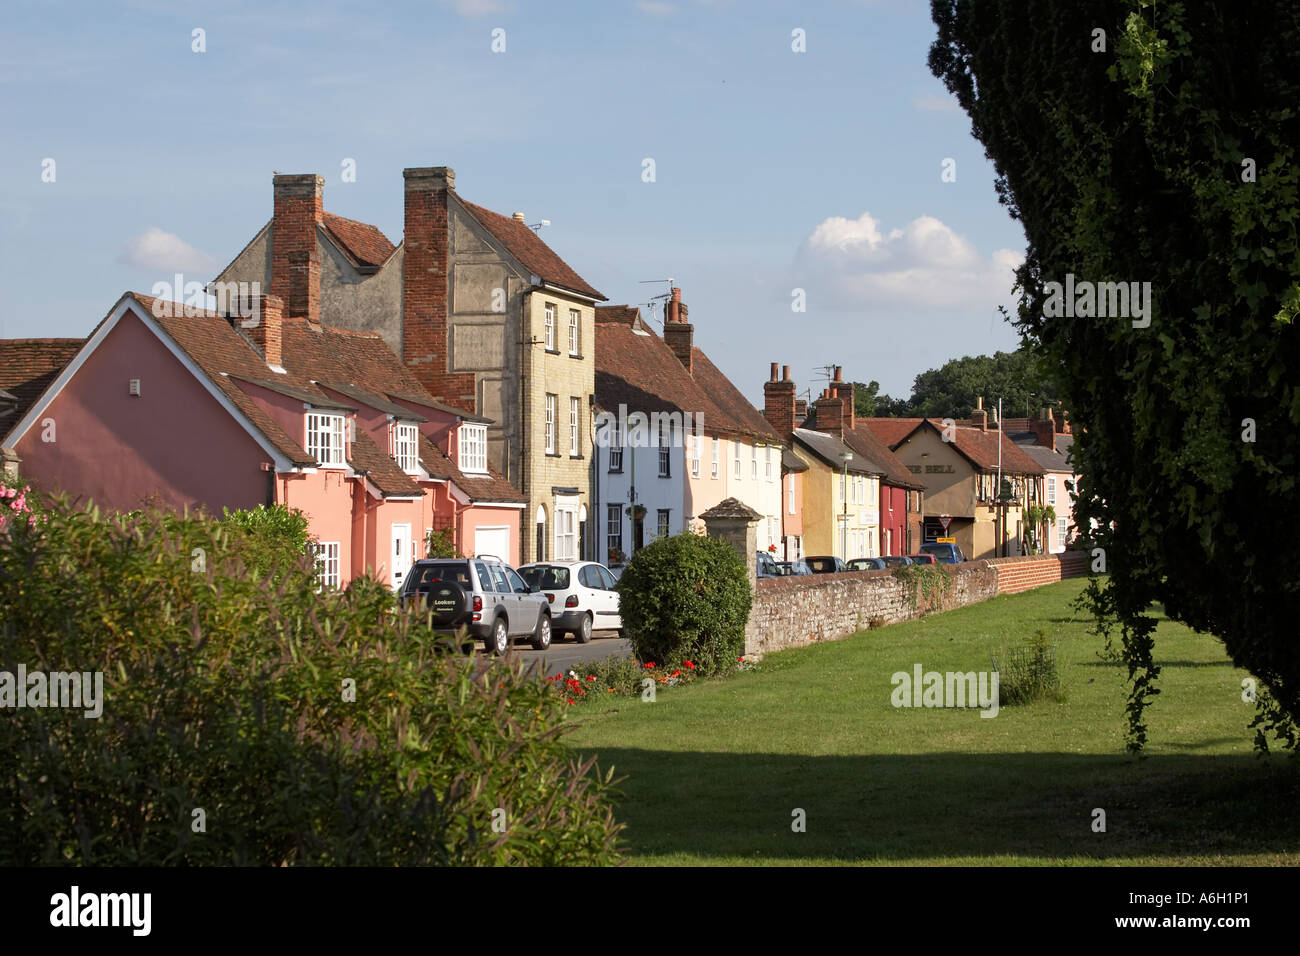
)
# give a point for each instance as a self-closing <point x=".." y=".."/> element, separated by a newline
<point x="923" y="559"/>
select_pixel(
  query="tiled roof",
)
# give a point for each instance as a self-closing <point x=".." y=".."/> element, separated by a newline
<point x="489" y="487"/>
<point x="530" y="250"/>
<point x="792" y="462"/>
<point x="634" y="367"/>
<point x="353" y="363"/>
<point x="737" y="413"/>
<point x="27" y="366"/>
<point x="366" y="397"/>
<point x="429" y="402"/>
<point x="380" y="469"/>
<point x="625" y="314"/>
<point x="863" y="441"/>
<point x="831" y="450"/>
<point x="980" y="448"/>
<point x="363" y="242"/>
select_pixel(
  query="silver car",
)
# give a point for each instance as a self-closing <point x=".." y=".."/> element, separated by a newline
<point x="484" y="596"/>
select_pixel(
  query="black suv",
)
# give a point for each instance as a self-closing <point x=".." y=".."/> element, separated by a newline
<point x="482" y="595"/>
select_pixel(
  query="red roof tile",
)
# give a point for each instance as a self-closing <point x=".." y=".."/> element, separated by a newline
<point x="530" y="250"/>
<point x="980" y="448"/>
<point x="362" y="241"/>
<point x="27" y="367"/>
<point x="489" y="487"/>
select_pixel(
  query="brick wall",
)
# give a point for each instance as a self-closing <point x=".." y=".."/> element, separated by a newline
<point x="803" y="609"/>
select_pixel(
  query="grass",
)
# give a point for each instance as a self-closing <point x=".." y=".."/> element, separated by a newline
<point x="714" y="771"/>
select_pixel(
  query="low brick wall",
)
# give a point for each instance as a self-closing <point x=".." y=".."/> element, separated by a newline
<point x="804" y="609"/>
<point x="1024" y="574"/>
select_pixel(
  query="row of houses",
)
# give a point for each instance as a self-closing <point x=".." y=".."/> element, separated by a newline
<point x="467" y="383"/>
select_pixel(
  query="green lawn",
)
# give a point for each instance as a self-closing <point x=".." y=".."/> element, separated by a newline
<point x="713" y="771"/>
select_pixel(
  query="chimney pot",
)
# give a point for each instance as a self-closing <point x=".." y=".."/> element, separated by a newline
<point x="518" y="217"/>
<point x="772" y="377"/>
<point x="785" y="373"/>
<point x="838" y="374"/>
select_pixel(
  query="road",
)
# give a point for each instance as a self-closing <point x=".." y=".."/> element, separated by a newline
<point x="564" y="653"/>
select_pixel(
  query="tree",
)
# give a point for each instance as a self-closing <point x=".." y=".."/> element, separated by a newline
<point x="1155" y="143"/>
<point x="869" y="403"/>
<point x="1018" y="378"/>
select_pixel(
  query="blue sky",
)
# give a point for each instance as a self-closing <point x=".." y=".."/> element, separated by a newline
<point x="774" y="170"/>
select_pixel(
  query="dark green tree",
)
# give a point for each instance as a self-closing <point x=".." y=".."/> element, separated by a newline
<point x="1149" y="142"/>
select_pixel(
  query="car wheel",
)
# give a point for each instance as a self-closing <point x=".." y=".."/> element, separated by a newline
<point x="542" y="635"/>
<point x="583" y="633"/>
<point x="499" y="643"/>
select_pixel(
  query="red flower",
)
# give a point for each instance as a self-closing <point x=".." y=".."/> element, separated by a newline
<point x="650" y="664"/>
<point x="689" y="664"/>
<point x="591" y="677"/>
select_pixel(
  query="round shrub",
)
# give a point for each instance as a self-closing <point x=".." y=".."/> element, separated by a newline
<point x="686" y="597"/>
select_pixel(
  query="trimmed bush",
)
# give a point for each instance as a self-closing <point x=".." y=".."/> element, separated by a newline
<point x="248" y="720"/>
<point x="686" y="597"/>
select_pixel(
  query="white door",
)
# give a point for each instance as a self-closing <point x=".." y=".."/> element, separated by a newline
<point x="494" y="541"/>
<point x="401" y="556"/>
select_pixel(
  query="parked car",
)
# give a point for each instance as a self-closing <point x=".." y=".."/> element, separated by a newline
<point x="766" y="565"/>
<point x="581" y="596"/>
<point x="824" y="564"/>
<point x="945" y="552"/>
<point x="482" y="595"/>
<point x="793" y="567"/>
<point x="923" y="558"/>
<point x="897" y="560"/>
<point x="866" y="564"/>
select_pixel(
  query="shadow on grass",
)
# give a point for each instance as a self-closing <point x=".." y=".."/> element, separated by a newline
<point x="1117" y="664"/>
<point x="923" y="807"/>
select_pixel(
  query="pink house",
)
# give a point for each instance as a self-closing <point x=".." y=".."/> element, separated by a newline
<point x="192" y="408"/>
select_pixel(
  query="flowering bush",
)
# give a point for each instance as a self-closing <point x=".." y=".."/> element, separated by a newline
<point x="15" y="505"/>
<point x="624" y="677"/>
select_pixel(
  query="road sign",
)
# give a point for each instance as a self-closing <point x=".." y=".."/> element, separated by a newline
<point x="945" y="520"/>
<point x="946" y="540"/>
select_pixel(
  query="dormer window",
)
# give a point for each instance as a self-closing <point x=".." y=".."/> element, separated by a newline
<point x="325" y="438"/>
<point x="473" y="448"/>
<point x="406" y="447"/>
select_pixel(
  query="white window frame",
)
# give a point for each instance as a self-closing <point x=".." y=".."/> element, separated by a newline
<point x="566" y="532"/>
<point x="616" y="458"/>
<point x="769" y="463"/>
<point x="406" y="437"/>
<point x="575" y="434"/>
<point x="550" y="423"/>
<point x="322" y="426"/>
<point x="550" y="327"/>
<point x="613" y="528"/>
<point x="327" y="564"/>
<point x="575" y="332"/>
<point x="753" y="463"/>
<point x="473" y="448"/>
<point x="736" y="469"/>
<point x="717" y="454"/>
<point x="1051" y="489"/>
<point x="1062" y="531"/>
<point x="790" y="497"/>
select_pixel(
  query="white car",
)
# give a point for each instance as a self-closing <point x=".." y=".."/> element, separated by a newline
<point x="581" y="595"/>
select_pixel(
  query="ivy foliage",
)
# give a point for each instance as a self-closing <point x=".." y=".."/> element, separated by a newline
<point x="1144" y="141"/>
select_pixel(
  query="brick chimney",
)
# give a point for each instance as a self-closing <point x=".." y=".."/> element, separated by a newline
<point x="295" y="263"/>
<point x="425" y="270"/>
<point x="844" y="390"/>
<point x="980" y="418"/>
<point x="800" y="410"/>
<point x="1062" y="424"/>
<point x="1045" y="430"/>
<point x="679" y="335"/>
<point x="778" y="402"/>
<point x="264" y="326"/>
<point x="830" y="413"/>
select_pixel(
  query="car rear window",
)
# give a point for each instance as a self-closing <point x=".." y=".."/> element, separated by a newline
<point x="430" y="574"/>
<point x="821" y="565"/>
<point x="546" y="578"/>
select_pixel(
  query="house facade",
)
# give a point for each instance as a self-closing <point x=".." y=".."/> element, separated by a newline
<point x="959" y="465"/>
<point x="194" y="409"/>
<point x="706" y="443"/>
<point x="1047" y="440"/>
<point x="480" y="310"/>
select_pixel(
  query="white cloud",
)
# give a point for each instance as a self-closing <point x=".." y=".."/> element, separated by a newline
<point x="155" y="249"/>
<point x="655" y="8"/>
<point x="853" y="264"/>
<point x="935" y="104"/>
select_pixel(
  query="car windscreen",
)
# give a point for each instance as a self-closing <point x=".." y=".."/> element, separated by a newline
<point x="821" y="565"/>
<point x="546" y="578"/>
